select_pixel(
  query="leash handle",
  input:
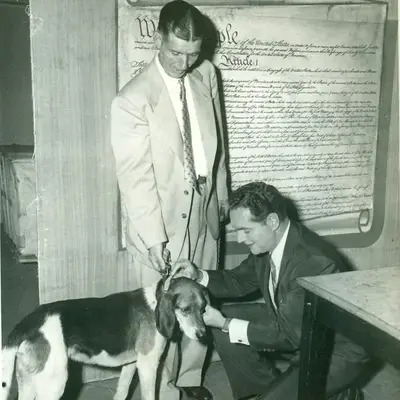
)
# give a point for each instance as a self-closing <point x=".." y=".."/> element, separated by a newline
<point x="167" y="271"/>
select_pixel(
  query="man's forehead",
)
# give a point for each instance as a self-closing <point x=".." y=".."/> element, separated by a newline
<point x="174" y="41"/>
<point x="241" y="218"/>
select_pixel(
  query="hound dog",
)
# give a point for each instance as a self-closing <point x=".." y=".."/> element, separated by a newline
<point x="129" y="329"/>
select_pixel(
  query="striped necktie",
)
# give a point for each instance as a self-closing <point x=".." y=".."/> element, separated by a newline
<point x="274" y="278"/>
<point x="188" y="161"/>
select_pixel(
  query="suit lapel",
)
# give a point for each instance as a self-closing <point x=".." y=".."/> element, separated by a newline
<point x="291" y="243"/>
<point x="205" y="116"/>
<point x="267" y="271"/>
<point x="167" y="123"/>
<point x="164" y="120"/>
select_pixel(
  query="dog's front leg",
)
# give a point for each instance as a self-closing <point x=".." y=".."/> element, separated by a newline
<point x="124" y="381"/>
<point x="147" y="369"/>
<point x="147" y="365"/>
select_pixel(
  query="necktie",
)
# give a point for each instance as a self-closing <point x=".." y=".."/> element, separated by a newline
<point x="274" y="278"/>
<point x="188" y="161"/>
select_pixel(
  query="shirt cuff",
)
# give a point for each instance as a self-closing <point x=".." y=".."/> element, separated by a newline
<point x="238" y="331"/>
<point x="204" y="279"/>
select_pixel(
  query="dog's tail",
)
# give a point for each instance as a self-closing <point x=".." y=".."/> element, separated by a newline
<point x="8" y="355"/>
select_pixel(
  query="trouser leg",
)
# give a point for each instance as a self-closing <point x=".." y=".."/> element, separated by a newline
<point x="247" y="371"/>
<point x="192" y="356"/>
<point x="203" y="252"/>
<point x="342" y="374"/>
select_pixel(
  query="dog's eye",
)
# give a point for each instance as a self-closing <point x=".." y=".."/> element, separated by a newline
<point x="185" y="310"/>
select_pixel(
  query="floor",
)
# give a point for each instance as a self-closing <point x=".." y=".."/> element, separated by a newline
<point x="19" y="296"/>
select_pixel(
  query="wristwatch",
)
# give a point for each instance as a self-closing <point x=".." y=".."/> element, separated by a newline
<point x="225" y="328"/>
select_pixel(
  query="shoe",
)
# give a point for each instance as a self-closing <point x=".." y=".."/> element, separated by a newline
<point x="348" y="394"/>
<point x="196" y="393"/>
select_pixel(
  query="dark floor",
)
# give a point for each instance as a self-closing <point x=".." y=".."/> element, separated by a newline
<point x="19" y="295"/>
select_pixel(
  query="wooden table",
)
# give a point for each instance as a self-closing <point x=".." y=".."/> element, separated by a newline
<point x="362" y="305"/>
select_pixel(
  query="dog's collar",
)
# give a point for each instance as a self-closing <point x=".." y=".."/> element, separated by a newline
<point x="167" y="283"/>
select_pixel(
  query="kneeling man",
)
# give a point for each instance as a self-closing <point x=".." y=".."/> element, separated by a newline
<point x="255" y="339"/>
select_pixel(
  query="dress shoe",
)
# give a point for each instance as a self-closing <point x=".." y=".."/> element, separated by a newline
<point x="195" y="393"/>
<point x="348" y="394"/>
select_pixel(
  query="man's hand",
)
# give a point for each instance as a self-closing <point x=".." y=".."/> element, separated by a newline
<point x="186" y="269"/>
<point x="213" y="317"/>
<point x="158" y="256"/>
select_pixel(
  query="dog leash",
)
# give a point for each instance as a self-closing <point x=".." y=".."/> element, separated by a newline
<point x="166" y="273"/>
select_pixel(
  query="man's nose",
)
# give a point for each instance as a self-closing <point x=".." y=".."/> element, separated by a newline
<point x="201" y="332"/>
<point x="240" y="237"/>
<point x="184" y="62"/>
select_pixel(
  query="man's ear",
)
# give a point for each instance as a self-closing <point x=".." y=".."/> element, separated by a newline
<point x="157" y="38"/>
<point x="272" y="221"/>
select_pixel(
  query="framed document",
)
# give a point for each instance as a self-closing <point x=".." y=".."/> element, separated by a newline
<point x="301" y="94"/>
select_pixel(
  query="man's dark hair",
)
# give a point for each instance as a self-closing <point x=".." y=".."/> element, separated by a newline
<point x="261" y="199"/>
<point x="182" y="19"/>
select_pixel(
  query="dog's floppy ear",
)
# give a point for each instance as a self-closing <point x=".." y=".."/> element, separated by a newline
<point x="206" y="295"/>
<point x="165" y="315"/>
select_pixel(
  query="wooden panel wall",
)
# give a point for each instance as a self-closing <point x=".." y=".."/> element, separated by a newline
<point x="16" y="121"/>
<point x="74" y="79"/>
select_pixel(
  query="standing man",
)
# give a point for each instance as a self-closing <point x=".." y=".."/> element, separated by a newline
<point x="168" y="144"/>
<point x="255" y="339"/>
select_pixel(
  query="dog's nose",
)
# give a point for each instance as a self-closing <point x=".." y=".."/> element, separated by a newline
<point x="200" y="333"/>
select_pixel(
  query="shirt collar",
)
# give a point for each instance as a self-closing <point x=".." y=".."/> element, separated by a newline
<point x="167" y="79"/>
<point x="277" y="253"/>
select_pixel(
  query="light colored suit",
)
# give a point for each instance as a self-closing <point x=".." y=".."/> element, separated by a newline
<point x="158" y="202"/>
<point x="148" y="148"/>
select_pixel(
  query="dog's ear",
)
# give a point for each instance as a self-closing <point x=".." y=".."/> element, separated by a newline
<point x="165" y="315"/>
<point x="206" y="295"/>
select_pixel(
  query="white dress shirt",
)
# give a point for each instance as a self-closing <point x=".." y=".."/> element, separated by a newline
<point x="238" y="327"/>
<point x="172" y="85"/>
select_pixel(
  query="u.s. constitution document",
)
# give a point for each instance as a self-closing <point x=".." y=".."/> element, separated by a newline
<point x="301" y="91"/>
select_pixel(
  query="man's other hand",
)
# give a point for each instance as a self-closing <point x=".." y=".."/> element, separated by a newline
<point x="213" y="317"/>
<point x="158" y="256"/>
<point x="184" y="268"/>
<point x="223" y="211"/>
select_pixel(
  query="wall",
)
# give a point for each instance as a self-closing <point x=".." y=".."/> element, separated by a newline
<point x="16" y="121"/>
<point x="74" y="80"/>
<point x="73" y="46"/>
<point x="386" y="250"/>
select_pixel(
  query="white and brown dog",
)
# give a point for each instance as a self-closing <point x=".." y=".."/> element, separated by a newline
<point x="129" y="329"/>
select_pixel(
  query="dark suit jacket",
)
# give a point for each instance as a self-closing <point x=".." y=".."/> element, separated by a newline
<point x="305" y="254"/>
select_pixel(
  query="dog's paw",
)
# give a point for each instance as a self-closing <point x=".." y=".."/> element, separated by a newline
<point x="120" y="396"/>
